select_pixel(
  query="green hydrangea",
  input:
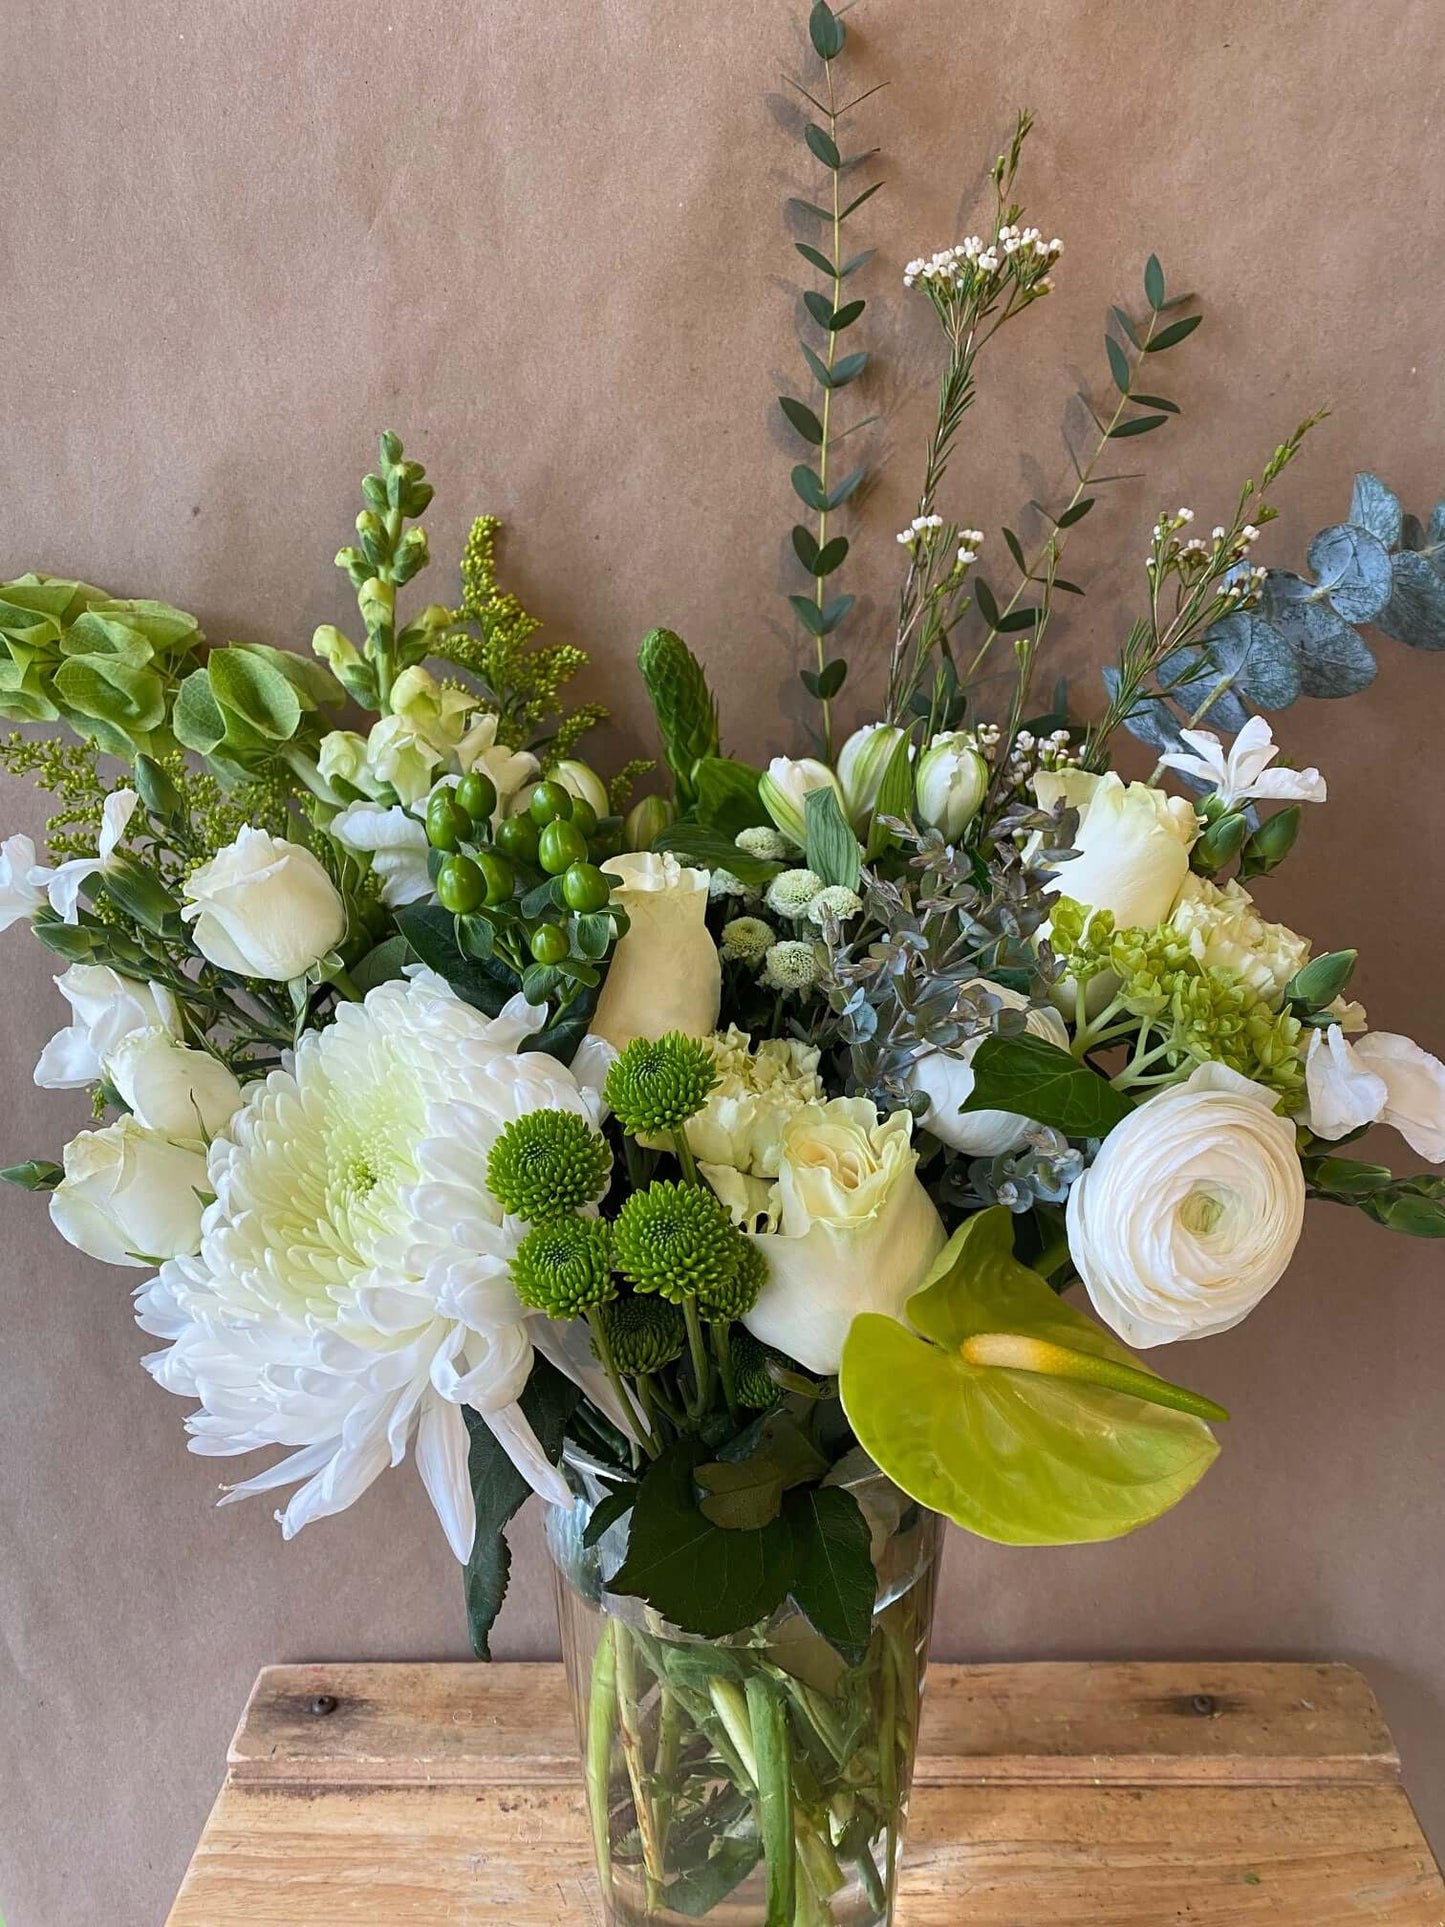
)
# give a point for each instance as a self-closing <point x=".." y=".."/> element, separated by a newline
<point x="564" y="1268"/>
<point x="657" y="1084"/>
<point x="643" y="1334"/>
<point x="678" y="1241"/>
<point x="546" y="1164"/>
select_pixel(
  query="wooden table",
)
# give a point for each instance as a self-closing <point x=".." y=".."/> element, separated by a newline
<point x="1119" y="1795"/>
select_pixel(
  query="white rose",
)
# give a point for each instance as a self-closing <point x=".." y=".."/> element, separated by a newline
<point x="862" y="764"/>
<point x="946" y="1079"/>
<point x="783" y="786"/>
<point x="665" y="974"/>
<point x="1380" y="1079"/>
<point x="396" y="843"/>
<point x="183" y="1093"/>
<point x="107" y="1008"/>
<point x="22" y="880"/>
<point x="857" y="1229"/>
<point x="1191" y="1210"/>
<point x="1225" y="931"/>
<point x="264" y="908"/>
<point x="951" y="783"/>
<point x="1133" y="843"/>
<point x="130" y="1196"/>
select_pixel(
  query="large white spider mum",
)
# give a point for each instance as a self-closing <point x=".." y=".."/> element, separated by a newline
<point x="353" y="1286"/>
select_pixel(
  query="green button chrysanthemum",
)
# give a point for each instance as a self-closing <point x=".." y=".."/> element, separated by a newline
<point x="546" y="1164"/>
<point x="564" y="1268"/>
<point x="657" y="1084"/>
<point x="677" y="1240"/>
<point x="643" y="1334"/>
<point x="735" y="1295"/>
<point x="752" y="1385"/>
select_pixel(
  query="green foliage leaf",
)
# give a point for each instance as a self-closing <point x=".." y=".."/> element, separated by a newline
<point x="819" y="307"/>
<point x="849" y="367"/>
<point x="839" y="495"/>
<point x="805" y="547"/>
<point x="695" y="1894"/>
<point x="832" y="848"/>
<point x="1157" y="401"/>
<point x="825" y="683"/>
<point x="808" y="613"/>
<point x="1017" y="619"/>
<point x="834" y="1582"/>
<point x="705" y="848"/>
<point x="1137" y="425"/>
<point x="808" y="488"/>
<point x="1118" y="364"/>
<point x="1130" y="331"/>
<point x="196" y="719"/>
<point x="826" y="31"/>
<point x="816" y="259"/>
<point x="855" y="204"/>
<point x="845" y="316"/>
<point x="1353" y="568"/>
<point x="1415" y="613"/>
<point x="831" y="556"/>
<point x="1076" y="513"/>
<point x="727" y="795"/>
<point x="616" y="1505"/>
<point x="431" y="933"/>
<point x="802" y="419"/>
<point x="1376" y="508"/>
<point x="1034" y="1077"/>
<point x="895" y="797"/>
<point x="983" y="595"/>
<point x="1016" y="550"/>
<point x="822" y="146"/>
<point x="258" y="693"/>
<point x="1171" y="336"/>
<point x="1154" y="282"/>
<point x="856" y="261"/>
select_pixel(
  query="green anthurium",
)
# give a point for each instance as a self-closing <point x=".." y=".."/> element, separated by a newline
<point x="1014" y="1415"/>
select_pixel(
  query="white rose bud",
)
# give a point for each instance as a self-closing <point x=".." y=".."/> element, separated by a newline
<point x="1133" y="843"/>
<point x="130" y="1196"/>
<point x="264" y="908"/>
<point x="783" y="786"/>
<point x="106" y="1009"/>
<point x="579" y="779"/>
<point x="183" y="1093"/>
<point x="862" y="763"/>
<point x="951" y="783"/>
<point x="946" y="1079"/>
<point x="1191" y="1211"/>
<point x="665" y="974"/>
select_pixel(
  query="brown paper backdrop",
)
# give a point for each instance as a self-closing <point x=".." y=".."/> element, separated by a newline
<point x="545" y="242"/>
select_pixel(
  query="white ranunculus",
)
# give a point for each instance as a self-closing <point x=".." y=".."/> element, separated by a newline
<point x="1224" y="930"/>
<point x="22" y="881"/>
<point x="579" y="779"/>
<point x="1190" y="1212"/>
<point x="129" y="1196"/>
<point x="264" y="908"/>
<point x="106" y="1009"/>
<point x="665" y="974"/>
<point x="857" y="1231"/>
<point x="1242" y="772"/>
<point x="946" y="1079"/>
<point x="396" y="843"/>
<point x="783" y="786"/>
<point x="1379" y="1079"/>
<point x="951" y="783"/>
<point x="1133" y="843"/>
<point x="862" y="764"/>
<point x="186" y="1094"/>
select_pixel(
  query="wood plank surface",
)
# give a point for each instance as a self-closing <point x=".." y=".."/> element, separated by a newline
<point x="1133" y="1795"/>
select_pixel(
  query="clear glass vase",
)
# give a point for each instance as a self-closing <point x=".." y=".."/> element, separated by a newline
<point x="753" y="1781"/>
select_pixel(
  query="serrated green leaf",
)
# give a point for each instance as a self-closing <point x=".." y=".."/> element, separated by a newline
<point x="832" y="849"/>
<point x="1139" y="425"/>
<point x="1154" y="282"/>
<point x="608" y="1510"/>
<point x="1039" y="1080"/>
<point x="802" y="419"/>
<point x="548" y="1401"/>
<point x="1118" y="364"/>
<point x="1171" y="336"/>
<point x="822" y="145"/>
<point x="834" y="1581"/>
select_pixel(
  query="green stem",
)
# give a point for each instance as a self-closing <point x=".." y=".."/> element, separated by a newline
<point x="635" y="1416"/>
<point x="630" y="1732"/>
<point x="723" y="1345"/>
<point x="601" y="1710"/>
<point x="775" y="1797"/>
<point x="701" y="1361"/>
<point x="682" y="1150"/>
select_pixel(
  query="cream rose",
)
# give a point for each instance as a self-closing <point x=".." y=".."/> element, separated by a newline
<point x="183" y="1093"/>
<point x="1190" y="1212"/>
<point x="129" y="1196"/>
<point x="106" y="1008"/>
<point x="665" y="974"/>
<point x="1224" y="930"/>
<point x="263" y="907"/>
<point x="945" y="1078"/>
<point x="857" y="1229"/>
<point x="1133" y="843"/>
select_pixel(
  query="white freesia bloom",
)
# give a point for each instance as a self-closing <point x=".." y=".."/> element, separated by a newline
<point x="186" y="1094"/>
<point x="352" y="1289"/>
<point x="395" y="841"/>
<point x="1190" y="1212"/>
<point x="857" y="1229"/>
<point x="1241" y="773"/>
<point x="862" y="764"/>
<point x="1379" y="1079"/>
<point x="784" y="785"/>
<point x="665" y="974"/>
<point x="1133" y="843"/>
<point x="946" y="1079"/>
<point x="63" y="884"/>
<point x="1224" y="930"/>
<point x="951" y="783"/>
<point x="130" y="1196"/>
<point x="106" y="1009"/>
<point x="264" y="907"/>
<point x="22" y="880"/>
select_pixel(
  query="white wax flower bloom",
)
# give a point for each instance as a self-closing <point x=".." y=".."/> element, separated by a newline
<point x="130" y="1196"/>
<point x="1379" y="1079"/>
<point x="22" y="881"/>
<point x="951" y="783"/>
<point x="579" y="779"/>
<point x="1225" y="931"/>
<point x="1241" y="773"/>
<point x="1133" y="843"/>
<point x="63" y="884"/>
<point x="395" y="841"/>
<point x="185" y="1094"/>
<point x="263" y="907"/>
<point x="106" y="1008"/>
<point x="352" y="1287"/>
<point x="862" y="763"/>
<point x="1191" y="1211"/>
<point x="783" y="786"/>
<point x="857" y="1231"/>
<point x="946" y="1079"/>
<point x="665" y="974"/>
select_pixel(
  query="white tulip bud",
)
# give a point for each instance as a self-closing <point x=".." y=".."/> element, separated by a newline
<point x="783" y="786"/>
<point x="579" y="779"/>
<point x="951" y="783"/>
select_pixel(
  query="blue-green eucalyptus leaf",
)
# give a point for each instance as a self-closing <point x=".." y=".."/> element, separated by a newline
<point x="1376" y="508"/>
<point x="1333" y="660"/>
<point x="1353" y="568"/>
<point x="1415" y="613"/>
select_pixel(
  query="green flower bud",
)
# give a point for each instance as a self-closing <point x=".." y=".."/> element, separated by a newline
<point x="732" y="1297"/>
<point x="157" y="791"/>
<point x="140" y="894"/>
<point x="676" y="1240"/>
<point x="1219" y="843"/>
<point x="355" y="564"/>
<point x="563" y="1267"/>
<point x="377" y="602"/>
<point x="1271" y="842"/>
<point x="411" y="555"/>
<point x="950" y="783"/>
<point x="643" y="1334"/>
<point x="755" y="1389"/>
<point x="657" y="1084"/>
<point x="546" y="1164"/>
<point x="646" y="821"/>
<point x="36" y="1174"/>
<point x="73" y="941"/>
<point x="862" y="763"/>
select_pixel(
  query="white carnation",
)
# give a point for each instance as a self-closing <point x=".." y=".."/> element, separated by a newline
<point x="1225" y="931"/>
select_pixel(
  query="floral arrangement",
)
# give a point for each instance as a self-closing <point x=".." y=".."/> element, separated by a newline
<point x="719" y="1165"/>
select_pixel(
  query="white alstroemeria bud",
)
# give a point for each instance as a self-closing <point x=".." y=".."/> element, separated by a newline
<point x="862" y="763"/>
<point x="783" y="786"/>
<point x="951" y="783"/>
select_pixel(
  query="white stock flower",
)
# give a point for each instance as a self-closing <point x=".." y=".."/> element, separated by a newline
<point x="1241" y="773"/>
<point x="784" y="785"/>
<point x="951" y="783"/>
<point x="862" y="763"/>
<point x="1133" y="843"/>
<point x="1379" y="1079"/>
<point x="1191" y="1211"/>
<point x="857" y="1231"/>
<point x="130" y="1196"/>
<point x="1225" y="931"/>
<point x="946" y="1079"/>
<point x="665" y="973"/>
<point x="186" y="1094"/>
<point x="63" y="884"/>
<point x="22" y="881"/>
<point x="264" y="907"/>
<point x="352" y="1289"/>
<point x="395" y="841"/>
<point x="106" y="1008"/>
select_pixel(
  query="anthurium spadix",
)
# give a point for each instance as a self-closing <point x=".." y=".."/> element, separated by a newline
<point x="1016" y="1416"/>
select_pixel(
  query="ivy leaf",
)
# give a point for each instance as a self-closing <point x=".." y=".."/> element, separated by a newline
<point x="808" y="488"/>
<point x="1035" y="1078"/>
<point x="1138" y="425"/>
<point x="1154" y="282"/>
<point x="832" y="848"/>
<point x="803" y="419"/>
<point x="1118" y="364"/>
<point x="826" y="31"/>
<point x="1171" y="336"/>
<point x="822" y="145"/>
<point x="834" y="1582"/>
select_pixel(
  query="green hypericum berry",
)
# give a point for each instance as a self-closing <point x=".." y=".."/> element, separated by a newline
<point x="517" y="838"/>
<point x="446" y="825"/>
<point x="547" y="1164"/>
<point x="754" y="1388"/>
<point x="677" y="1240"/>
<point x="498" y="875"/>
<point x="549" y="803"/>
<point x="643" y="1334"/>
<point x="584" y="816"/>
<point x="585" y="888"/>
<point x="560" y="846"/>
<point x="477" y="795"/>
<point x="735" y="1295"/>
<point x="548" y="944"/>
<point x="657" y="1084"/>
<point x="461" y="887"/>
<point x="564" y="1268"/>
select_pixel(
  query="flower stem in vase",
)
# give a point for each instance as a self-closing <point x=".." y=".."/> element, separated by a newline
<point x="629" y="1728"/>
<point x="773" y="1753"/>
<point x="601" y="1712"/>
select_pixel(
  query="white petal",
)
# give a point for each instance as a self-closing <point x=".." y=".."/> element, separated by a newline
<point x="1291" y="785"/>
<point x="567" y="1344"/>
<point x="63" y="888"/>
<point x="298" y="1465"/>
<point x="519" y="1442"/>
<point x="117" y="813"/>
<point x="1415" y="1086"/>
<point x="1343" y="1092"/>
<point x="441" y="1458"/>
<point x="339" y="1484"/>
<point x="68" y="1061"/>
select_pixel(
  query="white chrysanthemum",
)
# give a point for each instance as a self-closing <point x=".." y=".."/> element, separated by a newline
<point x="353" y="1289"/>
<point x="791" y="891"/>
